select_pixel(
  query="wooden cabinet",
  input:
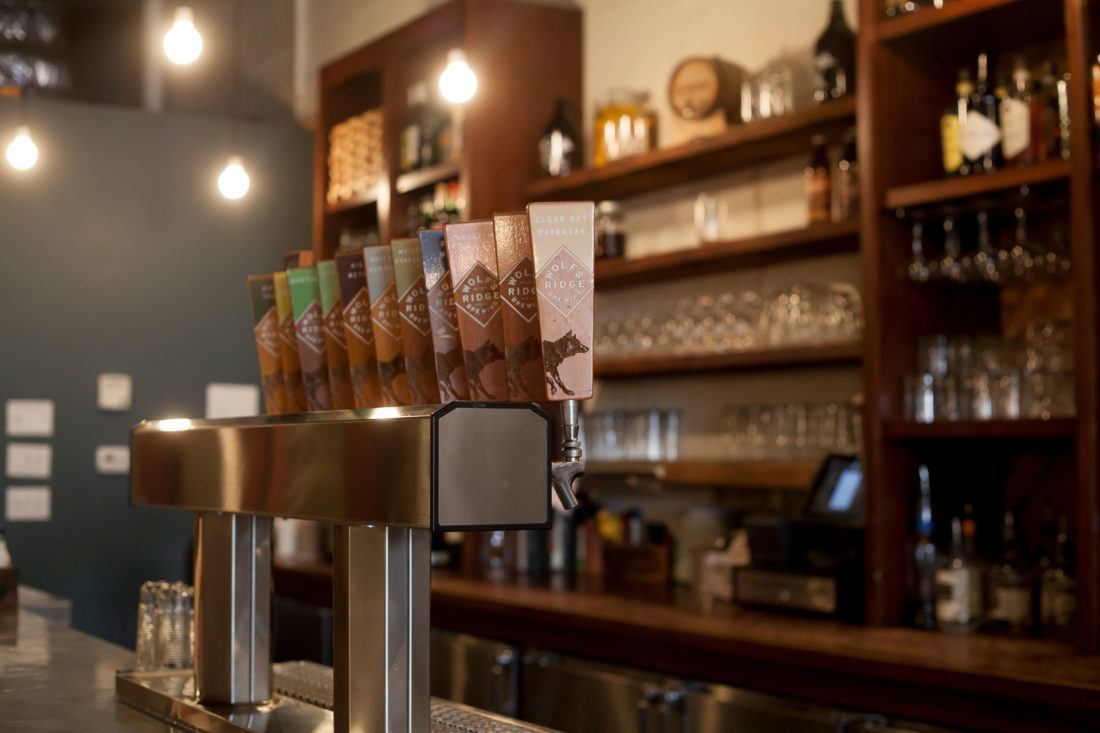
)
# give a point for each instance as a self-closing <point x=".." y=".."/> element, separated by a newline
<point x="907" y="68"/>
<point x="525" y="56"/>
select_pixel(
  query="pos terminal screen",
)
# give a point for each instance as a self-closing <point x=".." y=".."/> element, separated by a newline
<point x="838" y="490"/>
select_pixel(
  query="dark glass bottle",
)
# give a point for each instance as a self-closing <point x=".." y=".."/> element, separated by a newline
<point x="846" y="183"/>
<point x="558" y="150"/>
<point x="819" y="197"/>
<point x="981" y="132"/>
<point x="1010" y="585"/>
<point x="835" y="57"/>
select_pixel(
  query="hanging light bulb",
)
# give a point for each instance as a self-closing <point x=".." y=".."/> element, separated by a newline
<point x="183" y="42"/>
<point x="233" y="183"/>
<point x="458" y="82"/>
<point x="22" y="153"/>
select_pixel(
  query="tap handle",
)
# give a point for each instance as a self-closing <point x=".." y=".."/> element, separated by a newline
<point x="563" y="242"/>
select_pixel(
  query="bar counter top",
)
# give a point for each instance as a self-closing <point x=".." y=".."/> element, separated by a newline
<point x="975" y="681"/>
<point x="53" y="678"/>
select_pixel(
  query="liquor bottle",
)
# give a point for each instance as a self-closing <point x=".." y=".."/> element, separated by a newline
<point x="958" y="587"/>
<point x="1016" y="118"/>
<point x="951" y="125"/>
<point x="818" y="186"/>
<point x="1058" y="586"/>
<point x="835" y="57"/>
<point x="925" y="555"/>
<point x="1009" y="585"/>
<point x="558" y="145"/>
<point x="1047" y="102"/>
<point x="981" y="134"/>
<point x="412" y="133"/>
<point x="846" y="182"/>
<point x="1064" y="139"/>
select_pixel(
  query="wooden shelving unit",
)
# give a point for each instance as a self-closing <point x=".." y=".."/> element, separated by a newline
<point x="542" y="45"/>
<point x="779" y="475"/>
<point x="740" y="146"/>
<point x="813" y="355"/>
<point x="971" y="429"/>
<point x="926" y="20"/>
<point x="949" y="189"/>
<point x="415" y="180"/>
<point x="341" y="207"/>
<point x="813" y="241"/>
<point x="907" y="72"/>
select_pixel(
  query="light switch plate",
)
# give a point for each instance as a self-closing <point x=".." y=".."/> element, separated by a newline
<point x="28" y="418"/>
<point x="28" y="504"/>
<point x="112" y="459"/>
<point x="232" y="400"/>
<point x="29" y="460"/>
<point x="114" y="392"/>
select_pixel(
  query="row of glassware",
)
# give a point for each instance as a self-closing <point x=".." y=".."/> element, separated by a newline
<point x="741" y="321"/>
<point x="971" y="253"/>
<point x="166" y="626"/>
<point x="791" y="430"/>
<point x="632" y="435"/>
<point x="990" y="377"/>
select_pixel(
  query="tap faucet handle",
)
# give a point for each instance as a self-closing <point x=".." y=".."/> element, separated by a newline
<point x="571" y="467"/>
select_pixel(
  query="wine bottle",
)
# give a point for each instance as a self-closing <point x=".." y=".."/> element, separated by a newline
<point x="835" y="57"/>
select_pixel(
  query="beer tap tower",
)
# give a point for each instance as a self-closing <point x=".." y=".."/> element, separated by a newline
<point x="385" y="478"/>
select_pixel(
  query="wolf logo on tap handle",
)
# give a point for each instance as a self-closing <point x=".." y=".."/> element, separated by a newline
<point x="563" y="238"/>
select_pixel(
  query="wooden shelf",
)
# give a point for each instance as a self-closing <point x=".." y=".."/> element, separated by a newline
<point x="813" y="241"/>
<point x="953" y="11"/>
<point x="409" y="182"/>
<point x="818" y="355"/>
<point x="948" y="189"/>
<point x="341" y="207"/>
<point x="742" y="145"/>
<point x="787" y="475"/>
<point x="1054" y="428"/>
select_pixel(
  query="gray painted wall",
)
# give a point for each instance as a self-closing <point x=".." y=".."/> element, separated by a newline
<point x="117" y="254"/>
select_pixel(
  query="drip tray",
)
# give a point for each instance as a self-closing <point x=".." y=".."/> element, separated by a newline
<point x="302" y="704"/>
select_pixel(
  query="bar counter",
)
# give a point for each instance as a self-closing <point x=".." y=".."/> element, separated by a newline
<point x="53" y="678"/>
<point x="975" y="681"/>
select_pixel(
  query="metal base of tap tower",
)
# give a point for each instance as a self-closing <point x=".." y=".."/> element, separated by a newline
<point x="302" y="702"/>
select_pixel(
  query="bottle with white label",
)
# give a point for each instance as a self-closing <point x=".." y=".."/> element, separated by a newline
<point x="1010" y="585"/>
<point x="981" y="133"/>
<point x="1018" y="142"/>
<point x="958" y="587"/>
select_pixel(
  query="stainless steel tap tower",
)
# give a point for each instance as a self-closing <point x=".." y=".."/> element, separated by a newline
<point x="385" y="478"/>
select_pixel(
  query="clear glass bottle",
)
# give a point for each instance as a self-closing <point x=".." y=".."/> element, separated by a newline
<point x="1010" y="585"/>
<point x="1058" y="586"/>
<point x="958" y="587"/>
<point x="925" y="555"/>
<point x="625" y="125"/>
<point x="981" y="134"/>
<point x="1016" y="117"/>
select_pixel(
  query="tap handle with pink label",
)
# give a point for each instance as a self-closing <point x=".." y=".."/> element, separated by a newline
<point x="563" y="239"/>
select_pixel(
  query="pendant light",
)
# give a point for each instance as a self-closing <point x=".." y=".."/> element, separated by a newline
<point x="233" y="182"/>
<point x="22" y="153"/>
<point x="458" y="82"/>
<point x="183" y="42"/>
